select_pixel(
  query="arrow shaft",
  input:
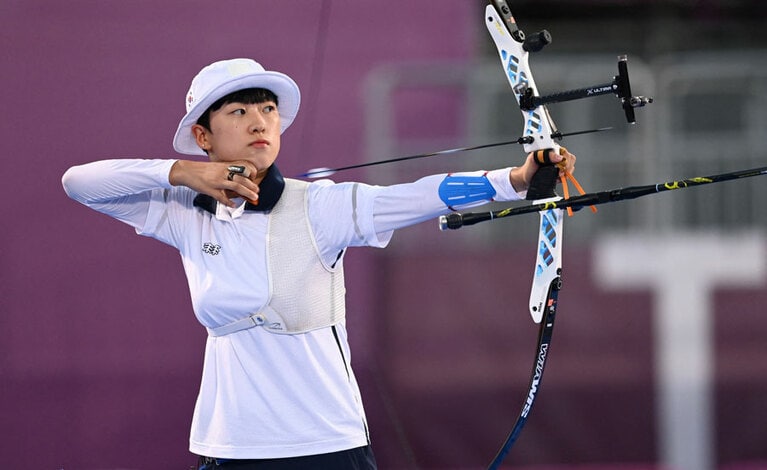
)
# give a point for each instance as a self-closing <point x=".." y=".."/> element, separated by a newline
<point x="521" y="140"/>
<point x="409" y="157"/>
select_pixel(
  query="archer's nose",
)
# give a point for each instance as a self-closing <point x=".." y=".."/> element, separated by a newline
<point x="258" y="125"/>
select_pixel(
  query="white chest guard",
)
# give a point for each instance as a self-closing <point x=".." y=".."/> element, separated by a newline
<point x="304" y="293"/>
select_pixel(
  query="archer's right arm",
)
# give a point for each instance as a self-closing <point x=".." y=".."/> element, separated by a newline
<point x="122" y="188"/>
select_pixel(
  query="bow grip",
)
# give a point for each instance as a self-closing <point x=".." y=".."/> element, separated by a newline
<point x="544" y="181"/>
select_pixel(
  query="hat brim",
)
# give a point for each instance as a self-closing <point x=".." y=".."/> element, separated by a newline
<point x="278" y="83"/>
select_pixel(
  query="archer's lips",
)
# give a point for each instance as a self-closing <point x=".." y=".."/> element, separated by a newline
<point x="260" y="143"/>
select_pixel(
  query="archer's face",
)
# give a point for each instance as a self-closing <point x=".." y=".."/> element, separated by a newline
<point x="244" y="132"/>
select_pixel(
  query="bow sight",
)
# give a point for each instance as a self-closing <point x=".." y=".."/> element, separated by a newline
<point x="620" y="85"/>
<point x="528" y="101"/>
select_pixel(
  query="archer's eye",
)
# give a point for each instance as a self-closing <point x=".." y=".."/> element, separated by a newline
<point x="269" y="108"/>
<point x="239" y="111"/>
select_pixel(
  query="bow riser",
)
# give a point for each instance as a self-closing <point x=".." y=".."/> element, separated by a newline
<point x="510" y="42"/>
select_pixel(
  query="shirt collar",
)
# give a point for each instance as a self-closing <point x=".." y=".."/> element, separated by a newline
<point x="270" y="190"/>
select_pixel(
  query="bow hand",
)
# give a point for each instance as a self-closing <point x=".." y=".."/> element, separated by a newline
<point x="541" y="171"/>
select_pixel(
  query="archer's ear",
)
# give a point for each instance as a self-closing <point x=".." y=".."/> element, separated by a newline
<point x="201" y="137"/>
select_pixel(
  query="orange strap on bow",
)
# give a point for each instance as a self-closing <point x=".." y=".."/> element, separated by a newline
<point x="542" y="158"/>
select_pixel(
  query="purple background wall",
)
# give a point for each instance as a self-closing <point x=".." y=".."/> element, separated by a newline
<point x="100" y="355"/>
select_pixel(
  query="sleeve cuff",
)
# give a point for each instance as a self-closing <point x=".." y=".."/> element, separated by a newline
<point x="502" y="184"/>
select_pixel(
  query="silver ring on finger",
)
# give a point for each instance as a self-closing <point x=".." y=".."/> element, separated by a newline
<point x="235" y="170"/>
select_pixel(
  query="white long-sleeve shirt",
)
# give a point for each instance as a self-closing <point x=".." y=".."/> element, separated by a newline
<point x="262" y="395"/>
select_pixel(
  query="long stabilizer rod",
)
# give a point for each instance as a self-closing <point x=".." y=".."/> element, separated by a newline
<point x="457" y="220"/>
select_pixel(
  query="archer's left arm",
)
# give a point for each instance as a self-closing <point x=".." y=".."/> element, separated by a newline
<point x="357" y="214"/>
<point x="366" y="215"/>
<point x="401" y="205"/>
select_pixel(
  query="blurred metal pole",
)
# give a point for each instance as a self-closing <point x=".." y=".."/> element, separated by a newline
<point x="682" y="269"/>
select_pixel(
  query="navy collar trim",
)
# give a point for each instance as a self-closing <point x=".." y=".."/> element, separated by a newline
<point x="270" y="191"/>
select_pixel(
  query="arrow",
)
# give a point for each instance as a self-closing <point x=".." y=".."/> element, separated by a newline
<point x="325" y="172"/>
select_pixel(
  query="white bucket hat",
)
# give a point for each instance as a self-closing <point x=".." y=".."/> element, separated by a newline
<point x="221" y="78"/>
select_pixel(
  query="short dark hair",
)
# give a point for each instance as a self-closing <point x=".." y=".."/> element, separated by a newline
<point x="246" y="96"/>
